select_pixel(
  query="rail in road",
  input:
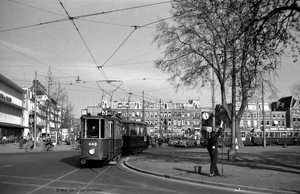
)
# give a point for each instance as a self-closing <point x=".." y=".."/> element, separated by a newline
<point x="60" y="172"/>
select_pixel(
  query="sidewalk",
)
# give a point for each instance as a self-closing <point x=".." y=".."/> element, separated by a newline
<point x="14" y="148"/>
<point x="272" y="169"/>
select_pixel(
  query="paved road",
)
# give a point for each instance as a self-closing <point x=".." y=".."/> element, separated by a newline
<point x="60" y="172"/>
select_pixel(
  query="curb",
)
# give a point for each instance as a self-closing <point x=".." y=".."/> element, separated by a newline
<point x="229" y="186"/>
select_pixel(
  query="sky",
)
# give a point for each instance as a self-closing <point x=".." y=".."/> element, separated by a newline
<point x="36" y="35"/>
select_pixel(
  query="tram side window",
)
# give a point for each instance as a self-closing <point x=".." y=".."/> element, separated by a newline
<point x="108" y="129"/>
<point x="118" y="130"/>
<point x="92" y="128"/>
<point x="83" y="129"/>
<point x="272" y="134"/>
<point x="132" y="130"/>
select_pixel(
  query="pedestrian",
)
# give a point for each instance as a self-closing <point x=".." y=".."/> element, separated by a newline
<point x="4" y="140"/>
<point x="29" y="145"/>
<point x="21" y="142"/>
<point x="212" y="147"/>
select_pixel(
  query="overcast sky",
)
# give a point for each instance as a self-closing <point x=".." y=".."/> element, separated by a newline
<point x="36" y="35"/>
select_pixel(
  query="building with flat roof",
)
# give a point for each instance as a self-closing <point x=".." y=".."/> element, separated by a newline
<point x="12" y="120"/>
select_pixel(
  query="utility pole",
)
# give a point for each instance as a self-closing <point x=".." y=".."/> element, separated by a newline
<point x="35" y="120"/>
<point x="263" y="113"/>
<point x="143" y="108"/>
<point x="213" y="100"/>
<point x="128" y="105"/>
<point x="160" y="132"/>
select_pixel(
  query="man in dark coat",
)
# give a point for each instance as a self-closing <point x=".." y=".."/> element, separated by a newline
<point x="212" y="147"/>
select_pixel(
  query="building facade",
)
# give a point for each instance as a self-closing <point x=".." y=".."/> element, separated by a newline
<point x="48" y="113"/>
<point x="165" y="119"/>
<point x="17" y="108"/>
<point x="13" y="122"/>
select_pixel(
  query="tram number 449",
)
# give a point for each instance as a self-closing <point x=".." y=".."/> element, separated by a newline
<point x="92" y="144"/>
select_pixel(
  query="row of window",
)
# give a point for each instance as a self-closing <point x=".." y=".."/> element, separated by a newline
<point x="268" y="134"/>
<point x="175" y="122"/>
<point x="163" y="114"/>
<point x="267" y="115"/>
<point x="267" y="123"/>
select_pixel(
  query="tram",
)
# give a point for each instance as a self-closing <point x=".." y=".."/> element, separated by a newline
<point x="135" y="138"/>
<point x="101" y="135"/>
<point x="284" y="136"/>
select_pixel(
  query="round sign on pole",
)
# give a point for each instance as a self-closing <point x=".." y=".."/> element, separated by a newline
<point x="205" y="115"/>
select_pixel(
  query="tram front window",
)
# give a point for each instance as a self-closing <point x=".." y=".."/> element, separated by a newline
<point x="92" y="128"/>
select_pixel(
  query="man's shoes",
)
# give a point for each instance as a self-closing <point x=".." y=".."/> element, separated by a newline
<point x="211" y="175"/>
<point x="217" y="174"/>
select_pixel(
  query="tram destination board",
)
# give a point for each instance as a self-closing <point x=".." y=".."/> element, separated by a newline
<point x="96" y="110"/>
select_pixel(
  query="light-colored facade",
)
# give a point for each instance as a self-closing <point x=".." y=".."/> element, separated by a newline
<point x="13" y="122"/>
<point x="17" y="106"/>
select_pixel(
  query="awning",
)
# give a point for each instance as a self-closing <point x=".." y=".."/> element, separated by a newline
<point x="11" y="125"/>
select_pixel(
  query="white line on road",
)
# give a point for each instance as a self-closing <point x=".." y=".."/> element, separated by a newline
<point x="53" y="181"/>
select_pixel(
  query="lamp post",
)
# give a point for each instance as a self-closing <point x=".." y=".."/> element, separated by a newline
<point x="48" y="108"/>
<point x="35" y="120"/>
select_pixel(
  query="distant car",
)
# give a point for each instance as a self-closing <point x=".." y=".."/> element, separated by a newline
<point x="68" y="142"/>
<point x="187" y="143"/>
<point x="172" y="142"/>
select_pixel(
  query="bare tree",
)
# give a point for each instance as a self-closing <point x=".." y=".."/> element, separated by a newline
<point x="221" y="35"/>
<point x="295" y="90"/>
<point x="60" y="95"/>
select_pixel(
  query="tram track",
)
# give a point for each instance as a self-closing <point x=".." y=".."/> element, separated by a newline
<point x="58" y="184"/>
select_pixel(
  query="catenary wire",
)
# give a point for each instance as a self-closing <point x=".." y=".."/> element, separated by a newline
<point x="36" y="8"/>
<point x="32" y="58"/>
<point x="123" y="41"/>
<point x="118" y="10"/>
<point x="71" y="19"/>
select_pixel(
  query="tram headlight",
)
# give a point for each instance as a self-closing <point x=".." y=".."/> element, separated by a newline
<point x="92" y="151"/>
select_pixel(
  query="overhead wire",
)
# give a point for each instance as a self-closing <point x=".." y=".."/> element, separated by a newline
<point x="32" y="58"/>
<point x="34" y="25"/>
<point x="72" y="20"/>
<point x="118" y="10"/>
<point x="36" y="8"/>
<point x="118" y="47"/>
<point x="88" y="15"/>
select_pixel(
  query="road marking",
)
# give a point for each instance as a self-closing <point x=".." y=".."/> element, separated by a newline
<point x="53" y="181"/>
<point x="94" y="179"/>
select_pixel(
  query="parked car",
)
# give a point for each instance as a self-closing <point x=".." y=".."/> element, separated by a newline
<point x="187" y="143"/>
<point x="172" y="142"/>
<point x="68" y="142"/>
